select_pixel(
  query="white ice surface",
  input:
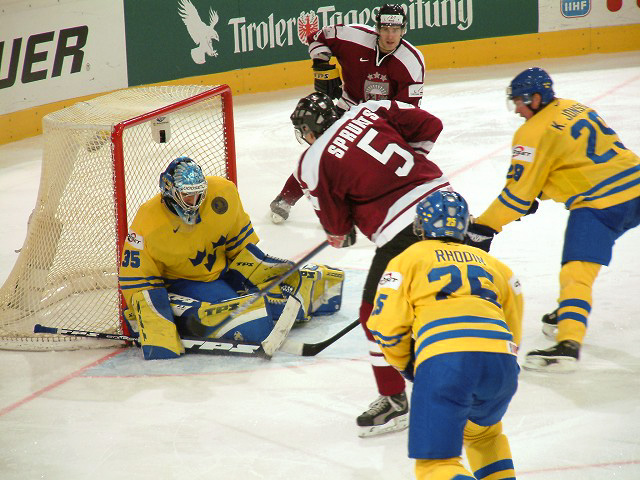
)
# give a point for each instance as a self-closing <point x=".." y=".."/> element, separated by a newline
<point x="107" y="414"/>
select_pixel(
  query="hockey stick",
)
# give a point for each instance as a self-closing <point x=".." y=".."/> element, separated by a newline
<point x="311" y="349"/>
<point x="204" y="345"/>
<point x="199" y="329"/>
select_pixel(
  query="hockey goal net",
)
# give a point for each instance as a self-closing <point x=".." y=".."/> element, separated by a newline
<point x="102" y="160"/>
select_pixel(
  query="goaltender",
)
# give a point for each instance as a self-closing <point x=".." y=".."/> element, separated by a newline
<point x="191" y="252"/>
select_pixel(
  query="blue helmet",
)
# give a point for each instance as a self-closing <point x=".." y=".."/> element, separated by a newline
<point x="184" y="188"/>
<point x="442" y="215"/>
<point x="532" y="80"/>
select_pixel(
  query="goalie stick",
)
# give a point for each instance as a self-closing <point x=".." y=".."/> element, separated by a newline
<point x="201" y="330"/>
<point x="311" y="349"/>
<point x="217" y="346"/>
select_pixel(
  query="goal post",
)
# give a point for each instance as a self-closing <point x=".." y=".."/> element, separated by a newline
<point x="101" y="160"/>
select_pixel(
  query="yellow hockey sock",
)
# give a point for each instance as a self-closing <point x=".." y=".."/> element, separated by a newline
<point x="576" y="284"/>
<point x="488" y="451"/>
<point x="442" y="469"/>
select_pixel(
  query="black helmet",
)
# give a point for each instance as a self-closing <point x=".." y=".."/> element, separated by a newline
<point x="391" y="14"/>
<point x="313" y="113"/>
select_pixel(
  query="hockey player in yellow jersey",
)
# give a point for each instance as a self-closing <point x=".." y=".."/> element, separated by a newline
<point x="448" y="316"/>
<point x="566" y="152"/>
<point x="191" y="253"/>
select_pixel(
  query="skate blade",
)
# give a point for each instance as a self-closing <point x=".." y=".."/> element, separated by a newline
<point x="549" y="331"/>
<point x="551" y="364"/>
<point x="396" y="425"/>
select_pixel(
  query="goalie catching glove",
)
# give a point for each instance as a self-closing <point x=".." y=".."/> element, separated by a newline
<point x="326" y="79"/>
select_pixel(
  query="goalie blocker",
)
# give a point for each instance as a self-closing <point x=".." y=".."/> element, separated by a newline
<point x="161" y="318"/>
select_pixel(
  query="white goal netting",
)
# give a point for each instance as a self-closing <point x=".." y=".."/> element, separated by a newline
<point x="102" y="159"/>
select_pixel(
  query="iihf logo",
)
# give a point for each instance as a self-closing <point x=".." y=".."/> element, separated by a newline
<point x="575" y="8"/>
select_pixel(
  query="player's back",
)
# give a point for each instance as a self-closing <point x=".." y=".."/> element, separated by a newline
<point x="463" y="298"/>
<point x="589" y="165"/>
<point x="365" y="161"/>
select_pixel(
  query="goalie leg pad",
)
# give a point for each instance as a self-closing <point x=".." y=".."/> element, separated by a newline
<point x="327" y="293"/>
<point x="317" y="287"/>
<point x="300" y="285"/>
<point x="253" y="325"/>
<point x="159" y="337"/>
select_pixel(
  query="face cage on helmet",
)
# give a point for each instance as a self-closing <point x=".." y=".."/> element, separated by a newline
<point x="189" y="213"/>
<point x="300" y="131"/>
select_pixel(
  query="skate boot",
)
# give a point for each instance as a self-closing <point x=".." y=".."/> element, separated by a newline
<point x="550" y="324"/>
<point x="562" y="357"/>
<point x="279" y="209"/>
<point x="386" y="414"/>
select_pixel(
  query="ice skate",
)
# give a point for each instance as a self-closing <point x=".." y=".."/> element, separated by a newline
<point x="386" y="414"/>
<point x="550" y="324"/>
<point x="562" y="357"/>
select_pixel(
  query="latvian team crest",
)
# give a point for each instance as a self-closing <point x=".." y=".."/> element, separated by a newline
<point x="376" y="87"/>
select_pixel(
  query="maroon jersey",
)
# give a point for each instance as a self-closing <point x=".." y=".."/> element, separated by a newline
<point x="367" y="73"/>
<point x="370" y="169"/>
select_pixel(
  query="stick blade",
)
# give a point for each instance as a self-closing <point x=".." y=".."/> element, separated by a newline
<point x="282" y="327"/>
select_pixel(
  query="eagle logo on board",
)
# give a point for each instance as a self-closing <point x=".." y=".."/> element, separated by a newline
<point x="308" y="23"/>
<point x="202" y="34"/>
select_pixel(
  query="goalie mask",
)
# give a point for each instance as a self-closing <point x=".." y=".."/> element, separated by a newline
<point x="442" y="215"/>
<point x="184" y="188"/>
<point x="314" y="113"/>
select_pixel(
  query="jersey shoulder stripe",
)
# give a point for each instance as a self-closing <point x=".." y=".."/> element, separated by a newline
<point x="412" y="59"/>
<point x="358" y="34"/>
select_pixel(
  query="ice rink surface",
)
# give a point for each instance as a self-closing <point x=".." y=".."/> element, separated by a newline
<point x="107" y="414"/>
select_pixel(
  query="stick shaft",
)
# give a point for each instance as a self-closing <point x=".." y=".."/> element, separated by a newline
<point x="311" y="349"/>
<point x="192" y="345"/>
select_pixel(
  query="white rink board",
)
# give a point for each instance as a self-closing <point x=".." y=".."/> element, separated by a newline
<point x="103" y="57"/>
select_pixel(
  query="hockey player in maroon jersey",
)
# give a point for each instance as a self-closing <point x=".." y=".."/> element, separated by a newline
<point x="369" y="169"/>
<point x="377" y="64"/>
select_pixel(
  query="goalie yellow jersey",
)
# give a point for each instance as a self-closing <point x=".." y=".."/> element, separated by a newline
<point x="565" y="152"/>
<point x="160" y="247"/>
<point x="449" y="297"/>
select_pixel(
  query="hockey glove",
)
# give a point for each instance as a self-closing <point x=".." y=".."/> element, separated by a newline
<point x="407" y="373"/>
<point x="326" y="79"/>
<point x="340" y="241"/>
<point x="479" y="236"/>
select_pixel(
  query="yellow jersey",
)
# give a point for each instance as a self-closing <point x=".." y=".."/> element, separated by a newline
<point x="449" y="297"/>
<point x="161" y="247"/>
<point x="565" y="152"/>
